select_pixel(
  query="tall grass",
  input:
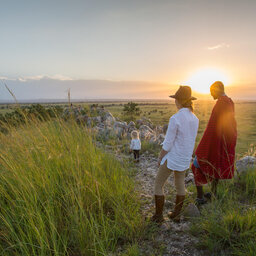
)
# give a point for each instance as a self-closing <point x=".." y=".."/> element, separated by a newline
<point x="60" y="195"/>
<point x="228" y="224"/>
<point x="149" y="147"/>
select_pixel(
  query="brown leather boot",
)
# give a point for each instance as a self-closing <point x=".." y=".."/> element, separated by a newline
<point x="159" y="202"/>
<point x="175" y="215"/>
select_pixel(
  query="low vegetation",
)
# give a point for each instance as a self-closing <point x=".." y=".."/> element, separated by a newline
<point x="131" y="111"/>
<point x="160" y="112"/>
<point x="60" y="195"/>
<point x="227" y="225"/>
<point x="20" y="114"/>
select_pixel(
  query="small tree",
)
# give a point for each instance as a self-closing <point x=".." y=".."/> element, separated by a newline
<point x="130" y="111"/>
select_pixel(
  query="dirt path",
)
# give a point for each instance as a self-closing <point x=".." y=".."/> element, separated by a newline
<point x="170" y="238"/>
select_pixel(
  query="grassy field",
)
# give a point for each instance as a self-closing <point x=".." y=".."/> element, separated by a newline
<point x="227" y="225"/>
<point x="60" y="195"/>
<point x="159" y="113"/>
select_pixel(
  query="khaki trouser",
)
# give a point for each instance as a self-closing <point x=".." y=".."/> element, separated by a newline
<point x="162" y="176"/>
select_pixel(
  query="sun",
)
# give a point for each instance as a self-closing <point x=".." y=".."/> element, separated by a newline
<point x="202" y="79"/>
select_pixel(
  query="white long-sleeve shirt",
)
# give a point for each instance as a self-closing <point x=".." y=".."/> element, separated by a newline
<point x="135" y="144"/>
<point x="180" y="140"/>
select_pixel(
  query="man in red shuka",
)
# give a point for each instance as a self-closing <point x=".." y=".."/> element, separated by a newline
<point x="215" y="154"/>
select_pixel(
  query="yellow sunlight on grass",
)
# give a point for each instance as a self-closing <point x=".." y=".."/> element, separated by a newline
<point x="201" y="80"/>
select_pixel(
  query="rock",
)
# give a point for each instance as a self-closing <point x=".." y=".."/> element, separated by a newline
<point x="145" y="196"/>
<point x="96" y="129"/>
<point x="130" y="127"/>
<point x="165" y="127"/>
<point x="131" y="124"/>
<point x="191" y="211"/>
<point x="108" y="118"/>
<point x="82" y="119"/>
<point x="120" y="124"/>
<point x="165" y="226"/>
<point x="153" y="139"/>
<point x="145" y="121"/>
<point x="104" y="133"/>
<point x="120" y="132"/>
<point x="95" y="120"/>
<point x="159" y="129"/>
<point x="160" y="139"/>
<point x="189" y="178"/>
<point x="89" y="122"/>
<point x="151" y="170"/>
<point x="74" y="112"/>
<point x="245" y="163"/>
<point x="147" y="135"/>
<point x="101" y="125"/>
<point x="120" y="129"/>
<point x="146" y="128"/>
<point x="146" y="132"/>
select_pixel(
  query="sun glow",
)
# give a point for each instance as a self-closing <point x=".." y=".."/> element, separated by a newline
<point x="201" y="80"/>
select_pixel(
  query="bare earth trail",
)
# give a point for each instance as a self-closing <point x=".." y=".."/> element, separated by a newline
<point x="173" y="238"/>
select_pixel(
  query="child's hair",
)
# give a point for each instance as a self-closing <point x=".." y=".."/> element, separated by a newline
<point x="135" y="134"/>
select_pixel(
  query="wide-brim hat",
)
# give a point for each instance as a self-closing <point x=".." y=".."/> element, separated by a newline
<point x="183" y="94"/>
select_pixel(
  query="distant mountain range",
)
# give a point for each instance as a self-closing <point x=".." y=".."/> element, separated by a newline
<point x="48" y="89"/>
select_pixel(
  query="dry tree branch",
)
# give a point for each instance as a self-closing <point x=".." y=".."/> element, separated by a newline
<point x="12" y="94"/>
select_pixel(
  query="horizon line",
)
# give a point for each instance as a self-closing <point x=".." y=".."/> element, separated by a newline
<point x="31" y="101"/>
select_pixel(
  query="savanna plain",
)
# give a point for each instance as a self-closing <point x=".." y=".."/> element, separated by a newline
<point x="63" y="194"/>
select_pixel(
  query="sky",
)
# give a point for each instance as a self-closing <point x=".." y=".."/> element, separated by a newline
<point x="47" y="46"/>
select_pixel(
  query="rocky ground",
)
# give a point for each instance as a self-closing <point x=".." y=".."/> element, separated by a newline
<point x="105" y="125"/>
<point x="170" y="238"/>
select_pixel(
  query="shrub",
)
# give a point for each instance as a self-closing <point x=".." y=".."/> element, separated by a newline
<point x="33" y="112"/>
<point x="130" y="111"/>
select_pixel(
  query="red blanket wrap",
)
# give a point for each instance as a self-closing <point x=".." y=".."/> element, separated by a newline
<point x="216" y="150"/>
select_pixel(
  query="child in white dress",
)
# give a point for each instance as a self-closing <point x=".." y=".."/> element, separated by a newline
<point x="135" y="145"/>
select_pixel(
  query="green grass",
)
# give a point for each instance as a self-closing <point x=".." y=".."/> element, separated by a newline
<point x="132" y="250"/>
<point x="228" y="224"/>
<point x="159" y="113"/>
<point x="60" y="195"/>
<point x="151" y="148"/>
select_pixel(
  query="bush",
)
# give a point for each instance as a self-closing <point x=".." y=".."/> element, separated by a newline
<point x="33" y="112"/>
<point x="130" y="111"/>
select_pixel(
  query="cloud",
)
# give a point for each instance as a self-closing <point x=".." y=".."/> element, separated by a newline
<point x="38" y="77"/>
<point x="218" y="46"/>
<point x="59" y="77"/>
<point x="54" y="77"/>
<point x="21" y="79"/>
<point x="5" y="78"/>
